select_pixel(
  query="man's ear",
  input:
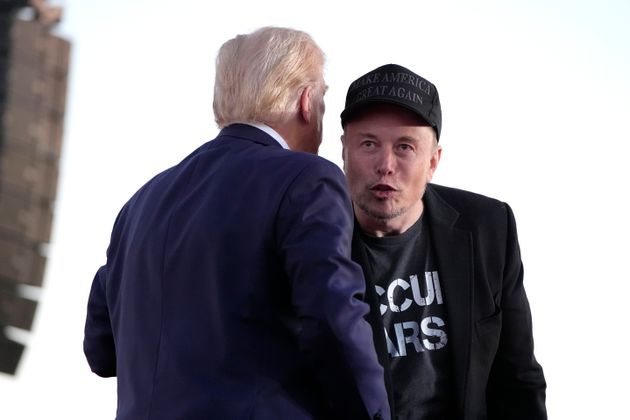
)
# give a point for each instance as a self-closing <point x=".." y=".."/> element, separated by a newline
<point x="435" y="160"/>
<point x="305" y="104"/>
<point x="343" y="151"/>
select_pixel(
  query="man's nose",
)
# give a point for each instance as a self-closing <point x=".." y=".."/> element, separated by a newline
<point x="385" y="163"/>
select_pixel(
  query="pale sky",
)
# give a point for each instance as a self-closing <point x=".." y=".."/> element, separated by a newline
<point x="535" y="112"/>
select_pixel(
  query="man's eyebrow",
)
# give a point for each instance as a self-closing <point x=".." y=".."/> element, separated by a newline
<point x="408" y="138"/>
<point x="367" y="134"/>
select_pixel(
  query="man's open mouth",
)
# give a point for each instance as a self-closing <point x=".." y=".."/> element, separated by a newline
<point x="382" y="187"/>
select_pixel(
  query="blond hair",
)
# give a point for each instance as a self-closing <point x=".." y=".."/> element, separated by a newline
<point x="260" y="76"/>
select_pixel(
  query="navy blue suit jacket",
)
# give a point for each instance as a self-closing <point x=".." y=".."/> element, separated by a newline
<point x="229" y="292"/>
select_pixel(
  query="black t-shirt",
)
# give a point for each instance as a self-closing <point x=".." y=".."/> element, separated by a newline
<point x="414" y="318"/>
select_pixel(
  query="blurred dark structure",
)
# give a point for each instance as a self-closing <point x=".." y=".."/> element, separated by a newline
<point x="33" y="76"/>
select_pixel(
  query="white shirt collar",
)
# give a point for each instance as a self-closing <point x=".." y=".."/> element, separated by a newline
<point x="273" y="133"/>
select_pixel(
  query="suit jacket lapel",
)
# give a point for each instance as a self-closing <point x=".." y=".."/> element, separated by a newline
<point x="453" y="250"/>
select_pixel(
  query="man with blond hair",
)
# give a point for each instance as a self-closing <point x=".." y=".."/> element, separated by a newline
<point x="228" y="291"/>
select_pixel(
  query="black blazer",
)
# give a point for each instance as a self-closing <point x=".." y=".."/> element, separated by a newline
<point x="496" y="374"/>
<point x="229" y="292"/>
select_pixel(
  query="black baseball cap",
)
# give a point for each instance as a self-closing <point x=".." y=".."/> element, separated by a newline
<point x="396" y="85"/>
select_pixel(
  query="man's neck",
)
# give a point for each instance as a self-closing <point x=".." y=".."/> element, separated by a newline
<point x="289" y="132"/>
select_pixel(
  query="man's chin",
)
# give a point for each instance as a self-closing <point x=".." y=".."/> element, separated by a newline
<point x="382" y="215"/>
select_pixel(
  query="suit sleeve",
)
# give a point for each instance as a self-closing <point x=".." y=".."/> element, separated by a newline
<point x="516" y="387"/>
<point x="314" y="235"/>
<point x="98" y="341"/>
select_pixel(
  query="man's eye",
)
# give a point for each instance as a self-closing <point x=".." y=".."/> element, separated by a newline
<point x="405" y="147"/>
<point x="367" y="144"/>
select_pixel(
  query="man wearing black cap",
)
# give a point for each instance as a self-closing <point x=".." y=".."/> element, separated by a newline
<point x="452" y="321"/>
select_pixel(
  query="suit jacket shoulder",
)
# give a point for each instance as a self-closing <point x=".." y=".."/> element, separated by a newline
<point x="467" y="210"/>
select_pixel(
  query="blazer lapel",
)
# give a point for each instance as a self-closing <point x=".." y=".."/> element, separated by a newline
<point x="453" y="250"/>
